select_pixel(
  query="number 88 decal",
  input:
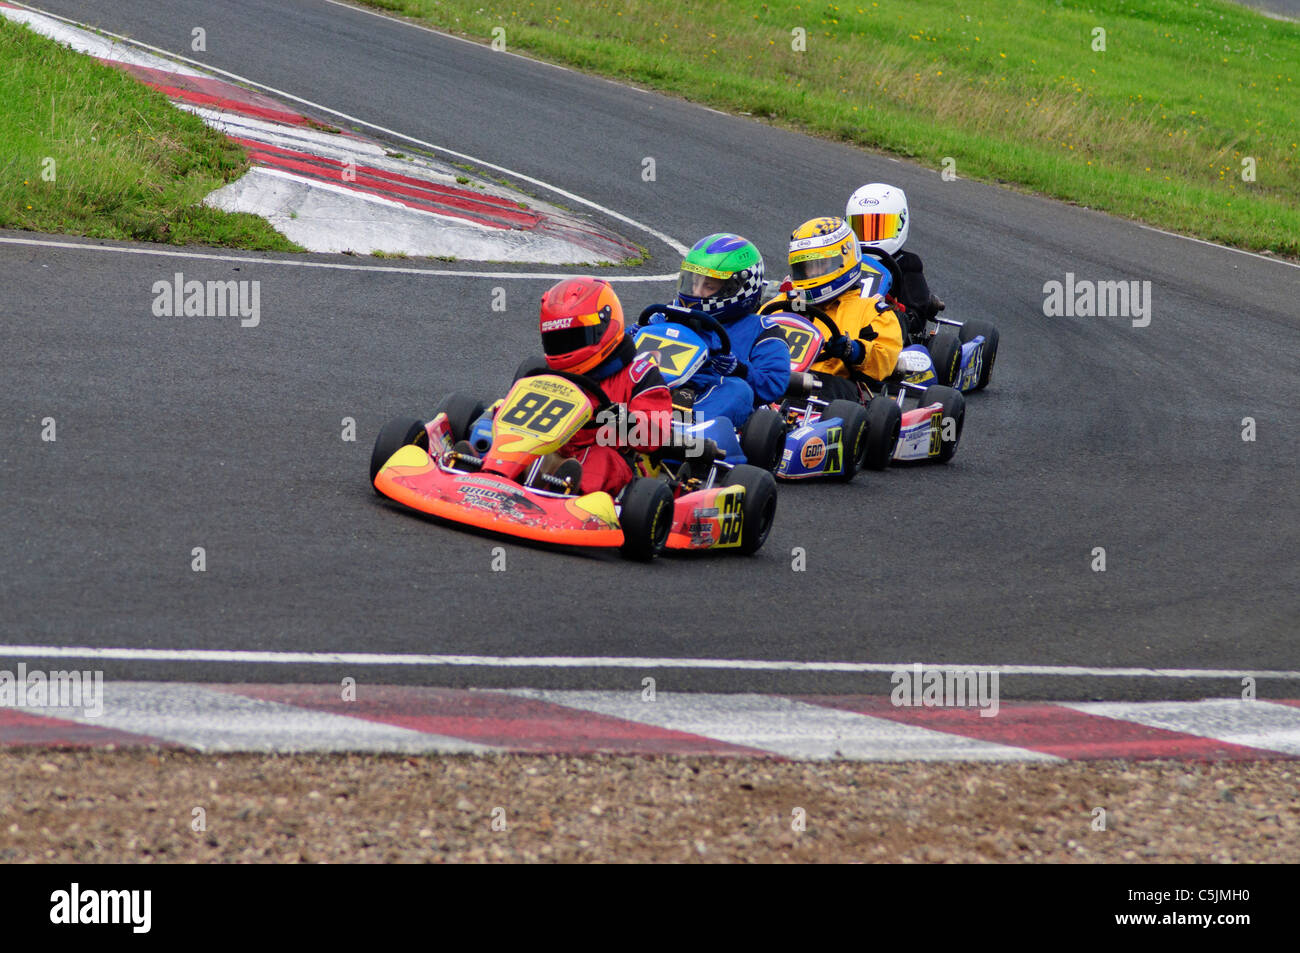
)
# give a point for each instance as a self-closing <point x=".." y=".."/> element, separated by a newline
<point x="537" y="413"/>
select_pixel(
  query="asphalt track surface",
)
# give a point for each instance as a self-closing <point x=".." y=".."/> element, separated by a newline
<point x="183" y="432"/>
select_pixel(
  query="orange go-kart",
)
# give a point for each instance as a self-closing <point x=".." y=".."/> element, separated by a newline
<point x="428" y="466"/>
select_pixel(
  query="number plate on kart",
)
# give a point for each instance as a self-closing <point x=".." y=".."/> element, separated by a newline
<point x="541" y="414"/>
<point x="803" y="338"/>
<point x="677" y="349"/>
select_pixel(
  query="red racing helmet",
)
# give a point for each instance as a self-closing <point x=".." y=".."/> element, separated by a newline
<point x="581" y="324"/>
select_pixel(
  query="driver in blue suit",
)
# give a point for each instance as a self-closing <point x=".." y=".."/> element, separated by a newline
<point x="722" y="276"/>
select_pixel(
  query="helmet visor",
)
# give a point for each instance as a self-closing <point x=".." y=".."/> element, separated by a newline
<point x="805" y="268"/>
<point x="707" y="284"/>
<point x="568" y="340"/>
<point x="877" y="227"/>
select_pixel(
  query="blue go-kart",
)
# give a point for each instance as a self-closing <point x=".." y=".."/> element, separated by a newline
<point x="678" y="343"/>
<point x="836" y="441"/>
<point x="958" y="354"/>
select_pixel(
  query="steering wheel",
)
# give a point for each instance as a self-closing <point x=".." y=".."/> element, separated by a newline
<point x="891" y="266"/>
<point x="809" y="310"/>
<point x="695" y="320"/>
<point x="579" y="380"/>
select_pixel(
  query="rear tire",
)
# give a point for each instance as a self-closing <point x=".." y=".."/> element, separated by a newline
<point x="969" y="330"/>
<point x="854" y="435"/>
<point x="646" y="516"/>
<point x="393" y="436"/>
<point x="945" y="352"/>
<point x="759" y="508"/>
<point x="954" y="407"/>
<point x="530" y="366"/>
<point x="763" y="438"/>
<point x="884" y="423"/>
<point x="461" y="410"/>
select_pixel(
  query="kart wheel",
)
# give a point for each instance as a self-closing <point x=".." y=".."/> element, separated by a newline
<point x="854" y="435"/>
<point x="954" y="408"/>
<point x="396" y="434"/>
<point x="461" y="410"/>
<point x="945" y="351"/>
<point x="968" y="332"/>
<point x="763" y="438"/>
<point x="759" y="508"/>
<point x="530" y="366"/>
<point x="884" y="423"/>
<point x="646" y="517"/>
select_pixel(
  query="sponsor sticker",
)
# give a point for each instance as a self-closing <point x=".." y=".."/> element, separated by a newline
<point x="812" y="453"/>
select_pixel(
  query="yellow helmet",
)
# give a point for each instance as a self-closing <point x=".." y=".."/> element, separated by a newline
<point x="825" y="260"/>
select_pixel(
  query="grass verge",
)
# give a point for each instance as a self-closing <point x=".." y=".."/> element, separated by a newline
<point x="87" y="150"/>
<point x="1182" y="115"/>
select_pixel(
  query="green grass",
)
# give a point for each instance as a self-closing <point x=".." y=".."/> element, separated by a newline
<point x="87" y="150"/>
<point x="1155" y="127"/>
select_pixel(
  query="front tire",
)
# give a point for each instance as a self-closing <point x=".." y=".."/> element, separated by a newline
<point x="969" y="331"/>
<point x="763" y="438"/>
<point x="646" y="517"/>
<point x="884" y="423"/>
<point x="854" y="435"/>
<point x="461" y="410"/>
<point x="954" y="408"/>
<point x="945" y="352"/>
<point x="393" y="436"/>
<point x="759" y="508"/>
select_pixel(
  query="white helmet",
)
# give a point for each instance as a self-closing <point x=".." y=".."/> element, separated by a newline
<point x="877" y="213"/>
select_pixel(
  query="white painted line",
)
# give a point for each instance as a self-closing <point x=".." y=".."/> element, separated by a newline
<point x="1255" y="723"/>
<point x="448" y="36"/>
<point x="212" y="720"/>
<point x="788" y="727"/>
<point x="1202" y="241"/>
<point x="602" y="661"/>
<point x="667" y="240"/>
<point x="337" y="266"/>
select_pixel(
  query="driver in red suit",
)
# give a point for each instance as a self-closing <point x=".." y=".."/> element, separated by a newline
<point x="582" y="329"/>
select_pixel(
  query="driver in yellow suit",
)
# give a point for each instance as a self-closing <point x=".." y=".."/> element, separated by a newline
<point x="826" y="270"/>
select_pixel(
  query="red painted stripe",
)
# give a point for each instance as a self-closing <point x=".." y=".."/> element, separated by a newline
<point x="20" y="729"/>
<point x="423" y="184"/>
<point x="494" y="718"/>
<point x="1054" y="729"/>
<point x="204" y="90"/>
<point x="331" y="170"/>
<point x="230" y="105"/>
<point x="319" y="175"/>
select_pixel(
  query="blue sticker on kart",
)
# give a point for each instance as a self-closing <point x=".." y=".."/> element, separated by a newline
<point x="679" y="351"/>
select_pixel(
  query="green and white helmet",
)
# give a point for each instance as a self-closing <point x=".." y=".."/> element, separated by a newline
<point x="722" y="276"/>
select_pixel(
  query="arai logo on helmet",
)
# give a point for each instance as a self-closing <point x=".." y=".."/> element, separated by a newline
<point x="556" y="323"/>
<point x="868" y="202"/>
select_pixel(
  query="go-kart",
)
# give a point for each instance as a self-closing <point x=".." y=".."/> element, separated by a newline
<point x="958" y="354"/>
<point x="431" y="467"/>
<point x="680" y="348"/>
<point x="889" y="431"/>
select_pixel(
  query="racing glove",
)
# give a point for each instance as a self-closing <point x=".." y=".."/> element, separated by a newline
<point x="849" y="350"/>
<point x="728" y="365"/>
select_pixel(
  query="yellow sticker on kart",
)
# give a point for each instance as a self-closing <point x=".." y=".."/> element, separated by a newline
<point x="541" y="413"/>
<point x="673" y="357"/>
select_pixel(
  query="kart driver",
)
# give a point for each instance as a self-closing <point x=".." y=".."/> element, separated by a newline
<point x="877" y="214"/>
<point x="722" y="276"/>
<point x="826" y="270"/>
<point x="581" y="324"/>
